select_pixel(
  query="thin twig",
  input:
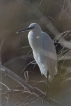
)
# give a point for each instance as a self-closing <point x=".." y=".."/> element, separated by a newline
<point x="1" y="70"/>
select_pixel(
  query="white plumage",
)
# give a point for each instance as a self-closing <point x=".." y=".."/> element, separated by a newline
<point x="43" y="50"/>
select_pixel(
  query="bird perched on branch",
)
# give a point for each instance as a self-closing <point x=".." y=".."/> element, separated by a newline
<point x="44" y="51"/>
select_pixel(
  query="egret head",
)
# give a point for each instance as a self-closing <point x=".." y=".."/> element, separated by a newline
<point x="33" y="27"/>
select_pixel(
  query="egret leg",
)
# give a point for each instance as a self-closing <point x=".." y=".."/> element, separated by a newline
<point x="47" y="89"/>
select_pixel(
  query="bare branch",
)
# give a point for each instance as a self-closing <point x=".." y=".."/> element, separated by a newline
<point x="31" y="90"/>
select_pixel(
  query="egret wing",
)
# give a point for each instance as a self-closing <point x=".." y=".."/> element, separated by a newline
<point x="48" y="55"/>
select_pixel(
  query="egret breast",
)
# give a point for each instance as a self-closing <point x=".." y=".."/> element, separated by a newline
<point x="33" y="41"/>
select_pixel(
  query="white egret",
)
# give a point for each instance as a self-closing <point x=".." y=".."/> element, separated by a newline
<point x="43" y="50"/>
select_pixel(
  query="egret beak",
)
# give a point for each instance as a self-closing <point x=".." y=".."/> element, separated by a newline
<point x="26" y="29"/>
